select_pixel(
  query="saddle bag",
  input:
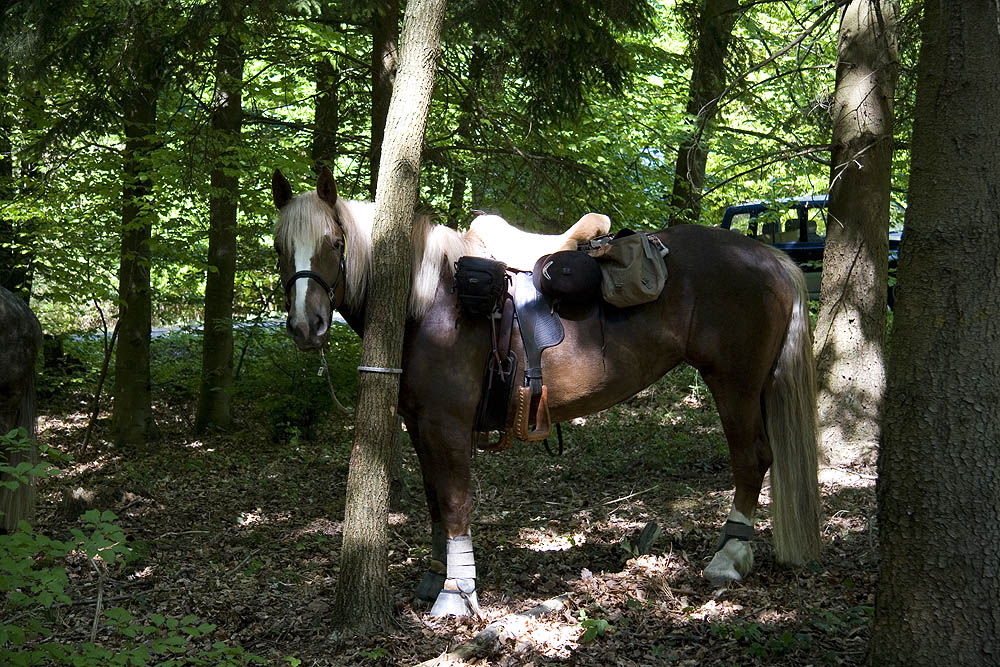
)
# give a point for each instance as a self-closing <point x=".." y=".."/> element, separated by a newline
<point x="568" y="276"/>
<point x="633" y="269"/>
<point x="481" y="285"/>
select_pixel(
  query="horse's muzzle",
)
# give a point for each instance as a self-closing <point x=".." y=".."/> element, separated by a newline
<point x="308" y="333"/>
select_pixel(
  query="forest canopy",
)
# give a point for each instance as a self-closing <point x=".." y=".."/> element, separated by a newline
<point x="541" y="112"/>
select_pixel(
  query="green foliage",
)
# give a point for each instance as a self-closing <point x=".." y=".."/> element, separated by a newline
<point x="760" y="641"/>
<point x="542" y="112"/>
<point x="33" y="585"/>
<point x="593" y="628"/>
<point x="283" y="385"/>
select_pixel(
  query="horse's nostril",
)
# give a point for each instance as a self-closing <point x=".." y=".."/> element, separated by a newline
<point x="320" y="325"/>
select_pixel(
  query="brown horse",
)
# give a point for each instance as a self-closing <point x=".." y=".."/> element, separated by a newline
<point x="20" y="339"/>
<point x="733" y="308"/>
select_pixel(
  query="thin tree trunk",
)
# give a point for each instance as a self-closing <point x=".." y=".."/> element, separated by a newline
<point x="214" y="400"/>
<point x="850" y="330"/>
<point x="362" y="599"/>
<point x="938" y="598"/>
<point x="15" y="255"/>
<point x="327" y="115"/>
<point x="708" y="80"/>
<point x="133" y="415"/>
<point x="8" y="233"/>
<point x="385" y="36"/>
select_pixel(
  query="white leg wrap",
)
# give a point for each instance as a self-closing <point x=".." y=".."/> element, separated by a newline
<point x="458" y="597"/>
<point x="735" y="559"/>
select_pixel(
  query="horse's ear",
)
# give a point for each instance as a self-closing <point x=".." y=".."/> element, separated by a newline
<point x="326" y="187"/>
<point x="281" y="189"/>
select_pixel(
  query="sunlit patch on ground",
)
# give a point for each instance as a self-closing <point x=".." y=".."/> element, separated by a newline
<point x="549" y="540"/>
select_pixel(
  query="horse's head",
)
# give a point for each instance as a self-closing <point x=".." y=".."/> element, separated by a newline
<point x="310" y="246"/>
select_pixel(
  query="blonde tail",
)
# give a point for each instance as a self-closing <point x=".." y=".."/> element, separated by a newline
<point x="790" y="420"/>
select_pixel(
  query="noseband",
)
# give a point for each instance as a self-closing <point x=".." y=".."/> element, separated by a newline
<point x="331" y="291"/>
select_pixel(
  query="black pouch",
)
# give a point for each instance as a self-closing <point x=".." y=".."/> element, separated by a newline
<point x="481" y="284"/>
<point x="568" y="276"/>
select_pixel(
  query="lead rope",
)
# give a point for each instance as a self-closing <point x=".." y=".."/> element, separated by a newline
<point x="325" y="370"/>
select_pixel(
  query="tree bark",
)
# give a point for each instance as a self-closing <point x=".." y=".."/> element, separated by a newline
<point x="385" y="36"/>
<point x="362" y="598"/>
<point x="326" y="118"/>
<point x="850" y="330"/>
<point x="214" y="400"/>
<point x="15" y="258"/>
<point x="938" y="598"/>
<point x="708" y="80"/>
<point x="133" y="415"/>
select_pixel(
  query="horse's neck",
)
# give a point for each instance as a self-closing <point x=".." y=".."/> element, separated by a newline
<point x="434" y="249"/>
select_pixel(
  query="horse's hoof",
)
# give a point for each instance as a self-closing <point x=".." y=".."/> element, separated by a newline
<point x="429" y="586"/>
<point x="731" y="563"/>
<point x="457" y="598"/>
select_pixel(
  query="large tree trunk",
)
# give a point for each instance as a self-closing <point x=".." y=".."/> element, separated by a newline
<point x="708" y="80"/>
<point x="214" y="409"/>
<point x="938" y="600"/>
<point x="326" y="118"/>
<point x="850" y="331"/>
<point x="385" y="36"/>
<point x="133" y="414"/>
<point x="362" y="600"/>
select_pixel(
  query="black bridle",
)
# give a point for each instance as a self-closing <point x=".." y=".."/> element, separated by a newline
<point x="331" y="291"/>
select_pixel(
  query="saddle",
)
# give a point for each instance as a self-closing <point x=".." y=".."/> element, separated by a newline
<point x="519" y="250"/>
<point x="572" y="277"/>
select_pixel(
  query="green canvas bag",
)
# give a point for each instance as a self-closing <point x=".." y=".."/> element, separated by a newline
<point x="632" y="270"/>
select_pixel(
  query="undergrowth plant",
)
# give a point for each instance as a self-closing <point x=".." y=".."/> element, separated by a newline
<point x="33" y="583"/>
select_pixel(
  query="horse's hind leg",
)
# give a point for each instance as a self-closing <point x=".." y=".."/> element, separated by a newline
<point x="750" y="456"/>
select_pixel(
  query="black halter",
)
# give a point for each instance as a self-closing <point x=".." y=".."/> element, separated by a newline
<point x="331" y="291"/>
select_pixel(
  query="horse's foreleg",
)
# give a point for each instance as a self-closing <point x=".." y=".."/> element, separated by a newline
<point x="450" y="582"/>
<point x="433" y="580"/>
<point x="750" y="457"/>
<point x="458" y="596"/>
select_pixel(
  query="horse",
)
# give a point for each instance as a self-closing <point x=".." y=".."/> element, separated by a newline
<point x="20" y="340"/>
<point x="733" y="308"/>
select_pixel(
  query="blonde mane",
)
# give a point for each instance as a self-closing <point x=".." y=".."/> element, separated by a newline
<point x="307" y="219"/>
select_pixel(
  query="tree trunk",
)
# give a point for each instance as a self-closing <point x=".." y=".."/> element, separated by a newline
<point x="850" y="331"/>
<point x="15" y="259"/>
<point x="326" y="119"/>
<point x="362" y="600"/>
<point x="708" y="80"/>
<point x="133" y="415"/>
<point x="214" y="410"/>
<point x="938" y="599"/>
<point x="385" y="35"/>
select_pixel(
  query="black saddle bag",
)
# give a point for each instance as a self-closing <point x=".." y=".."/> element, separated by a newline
<point x="481" y="285"/>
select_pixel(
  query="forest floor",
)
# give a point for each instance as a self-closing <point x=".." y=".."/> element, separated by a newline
<point x="244" y="532"/>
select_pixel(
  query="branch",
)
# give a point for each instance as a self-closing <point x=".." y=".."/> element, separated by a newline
<point x="779" y="156"/>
